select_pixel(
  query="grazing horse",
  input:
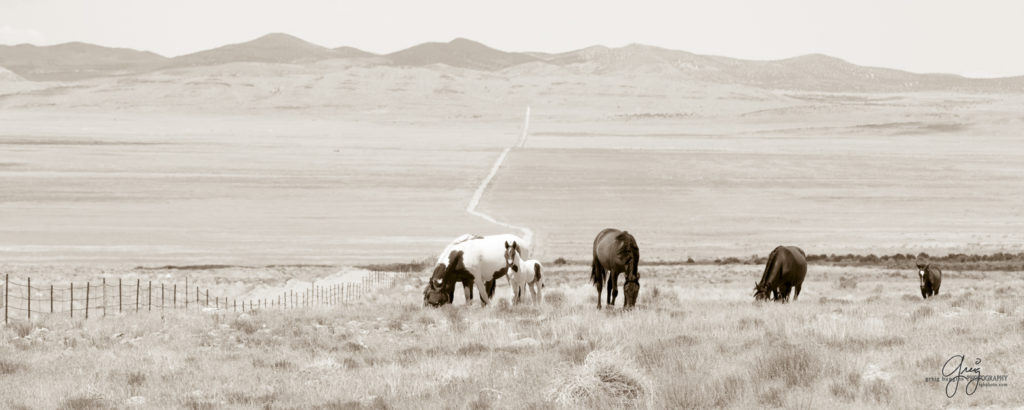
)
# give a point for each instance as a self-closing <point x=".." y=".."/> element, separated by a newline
<point x="931" y="279"/>
<point x="523" y="274"/>
<point x="447" y="295"/>
<point x="616" y="252"/>
<point x="478" y="261"/>
<point x="785" y="269"/>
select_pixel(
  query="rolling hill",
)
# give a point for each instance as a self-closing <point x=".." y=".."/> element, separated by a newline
<point x="271" y="48"/>
<point x="815" y="72"/>
<point x="75" y="61"/>
<point x="460" y="53"/>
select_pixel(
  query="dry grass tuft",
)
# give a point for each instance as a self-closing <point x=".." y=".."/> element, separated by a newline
<point x="847" y="282"/>
<point x="921" y="313"/>
<point x="85" y="402"/>
<point x="555" y="298"/>
<point x="7" y="366"/>
<point x="607" y="379"/>
<point x="796" y="365"/>
<point x="22" y="327"/>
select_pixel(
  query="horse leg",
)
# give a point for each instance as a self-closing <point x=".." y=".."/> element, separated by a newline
<point x="784" y="293"/>
<point x="467" y="289"/>
<point x="613" y="287"/>
<point x="796" y="292"/>
<point x="533" y="292"/>
<point x="597" y="273"/>
<point x="484" y="298"/>
<point x="923" y="293"/>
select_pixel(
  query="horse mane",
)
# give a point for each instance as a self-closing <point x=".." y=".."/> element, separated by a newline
<point x="628" y="250"/>
<point x="627" y="245"/>
<point x="768" y="267"/>
<point x="465" y="238"/>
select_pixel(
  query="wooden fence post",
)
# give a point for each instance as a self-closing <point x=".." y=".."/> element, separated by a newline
<point x="138" y="286"/>
<point x="162" y="297"/>
<point x="174" y="296"/>
<point x="120" y="302"/>
<point x="186" y="293"/>
<point x="72" y="302"/>
<point x="234" y="305"/>
<point x="150" y="296"/>
<point x="87" y="289"/>
<point x="7" y="300"/>
<point x="104" y="293"/>
<point x="29" y="298"/>
<point x="51" y="298"/>
<point x="197" y="295"/>
<point x="207" y="297"/>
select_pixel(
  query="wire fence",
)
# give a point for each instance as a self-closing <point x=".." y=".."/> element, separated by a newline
<point x="103" y="297"/>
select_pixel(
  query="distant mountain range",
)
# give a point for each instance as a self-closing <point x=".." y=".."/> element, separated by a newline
<point x="74" y="61"/>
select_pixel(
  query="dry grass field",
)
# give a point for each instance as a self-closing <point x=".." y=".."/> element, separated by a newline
<point x="289" y="173"/>
<point x="858" y="337"/>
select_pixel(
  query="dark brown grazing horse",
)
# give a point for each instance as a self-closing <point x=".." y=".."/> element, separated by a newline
<point x="931" y="279"/>
<point x="785" y="269"/>
<point x="616" y="252"/>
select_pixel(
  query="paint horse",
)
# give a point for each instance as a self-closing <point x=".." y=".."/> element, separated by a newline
<point x="616" y="252"/>
<point x="477" y="261"/>
<point x="523" y="274"/>
<point x="447" y="295"/>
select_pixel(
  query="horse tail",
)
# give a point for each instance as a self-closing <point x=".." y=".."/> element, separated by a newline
<point x="536" y="272"/>
<point x="594" y="276"/>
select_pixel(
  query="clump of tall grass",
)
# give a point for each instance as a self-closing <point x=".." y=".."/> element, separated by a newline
<point x="606" y="379"/>
<point x="847" y="282"/>
<point x="796" y="365"/>
<point x="555" y="298"/>
<point x="921" y="313"/>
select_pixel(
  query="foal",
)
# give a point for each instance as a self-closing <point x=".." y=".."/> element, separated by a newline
<point x="523" y="274"/>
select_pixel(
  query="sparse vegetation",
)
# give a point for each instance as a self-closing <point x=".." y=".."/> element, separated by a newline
<point x="693" y="344"/>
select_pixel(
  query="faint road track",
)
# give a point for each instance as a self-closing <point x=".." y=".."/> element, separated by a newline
<point x="475" y="200"/>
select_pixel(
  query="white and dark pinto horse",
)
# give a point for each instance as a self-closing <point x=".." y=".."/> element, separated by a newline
<point x="523" y="274"/>
<point x="442" y="264"/>
<point x="474" y="261"/>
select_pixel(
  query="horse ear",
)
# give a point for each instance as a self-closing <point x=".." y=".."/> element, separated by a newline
<point x="515" y="245"/>
<point x="506" y="245"/>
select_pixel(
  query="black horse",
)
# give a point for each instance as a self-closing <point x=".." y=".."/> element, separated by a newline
<point x="785" y="269"/>
<point x="616" y="252"/>
<point x="931" y="279"/>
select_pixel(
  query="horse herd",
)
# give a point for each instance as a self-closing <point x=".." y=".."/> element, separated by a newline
<point x="480" y="261"/>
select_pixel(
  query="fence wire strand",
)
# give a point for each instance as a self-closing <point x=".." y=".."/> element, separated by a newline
<point x="116" y="298"/>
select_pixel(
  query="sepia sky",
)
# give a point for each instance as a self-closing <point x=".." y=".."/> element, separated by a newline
<point x="974" y="38"/>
